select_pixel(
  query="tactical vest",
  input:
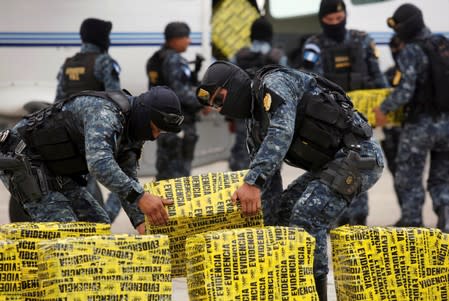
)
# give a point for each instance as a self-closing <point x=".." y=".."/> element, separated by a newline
<point x="245" y="58"/>
<point x="324" y="123"/>
<point x="345" y="65"/>
<point x="78" y="72"/>
<point x="432" y="94"/>
<point x="154" y="67"/>
<point x="51" y="133"/>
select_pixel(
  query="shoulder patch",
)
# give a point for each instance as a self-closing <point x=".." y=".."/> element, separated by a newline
<point x="116" y="67"/>
<point x="267" y="102"/>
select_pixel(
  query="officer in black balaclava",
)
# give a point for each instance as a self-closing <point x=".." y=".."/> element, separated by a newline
<point x="92" y="68"/>
<point x="347" y="57"/>
<point x="332" y="15"/>
<point x="407" y="21"/>
<point x="97" y="133"/>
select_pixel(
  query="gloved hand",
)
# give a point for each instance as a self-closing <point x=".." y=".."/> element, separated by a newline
<point x="198" y="62"/>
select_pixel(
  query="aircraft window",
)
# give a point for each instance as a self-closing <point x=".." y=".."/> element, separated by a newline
<point x="280" y="9"/>
<point x="358" y="2"/>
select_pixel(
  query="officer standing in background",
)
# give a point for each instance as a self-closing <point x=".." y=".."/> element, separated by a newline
<point x="46" y="156"/>
<point x="167" y="67"/>
<point x="260" y="53"/>
<point x="348" y="58"/>
<point x="426" y="125"/>
<point x="291" y="118"/>
<point x="92" y="69"/>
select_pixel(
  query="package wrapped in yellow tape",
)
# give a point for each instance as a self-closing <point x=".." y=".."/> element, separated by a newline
<point x="121" y="267"/>
<point x="366" y="100"/>
<point x="10" y="271"/>
<point x="374" y="263"/>
<point x="271" y="263"/>
<point x="28" y="234"/>
<point x="201" y="203"/>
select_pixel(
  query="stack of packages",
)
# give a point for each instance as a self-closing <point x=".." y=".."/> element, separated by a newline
<point x="374" y="263"/>
<point x="113" y="267"/>
<point x="10" y="271"/>
<point x="27" y="235"/>
<point x="271" y="263"/>
<point x="366" y="100"/>
<point x="201" y="203"/>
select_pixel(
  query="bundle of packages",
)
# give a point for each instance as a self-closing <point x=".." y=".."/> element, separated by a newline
<point x="366" y="100"/>
<point x="10" y="271"/>
<point x="271" y="263"/>
<point x="28" y="234"/>
<point x="201" y="203"/>
<point x="374" y="263"/>
<point x="113" y="267"/>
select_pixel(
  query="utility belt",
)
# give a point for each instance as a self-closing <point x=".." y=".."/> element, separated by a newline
<point x="28" y="179"/>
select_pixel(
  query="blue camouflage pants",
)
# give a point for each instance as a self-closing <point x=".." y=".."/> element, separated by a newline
<point x="313" y="205"/>
<point x="73" y="204"/>
<point x="417" y="140"/>
<point x="175" y="153"/>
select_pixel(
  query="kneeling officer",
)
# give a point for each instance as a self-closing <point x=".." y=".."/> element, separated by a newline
<point x="309" y="123"/>
<point x="45" y="157"/>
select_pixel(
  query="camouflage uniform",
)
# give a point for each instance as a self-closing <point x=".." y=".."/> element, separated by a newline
<point x="175" y="151"/>
<point x="420" y="135"/>
<point x="358" y="210"/>
<point x="100" y="122"/>
<point x="307" y="202"/>
<point x="239" y="158"/>
<point x="106" y="71"/>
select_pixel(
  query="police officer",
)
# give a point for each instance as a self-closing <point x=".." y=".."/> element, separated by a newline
<point x="347" y="57"/>
<point x="309" y="123"/>
<point x="167" y="67"/>
<point x="46" y="156"/>
<point x="92" y="68"/>
<point x="426" y="125"/>
<point x="259" y="54"/>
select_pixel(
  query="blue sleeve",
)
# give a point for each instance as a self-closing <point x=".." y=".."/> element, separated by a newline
<point x="103" y="130"/>
<point x="273" y="149"/>
<point x="107" y="71"/>
<point x="412" y="61"/>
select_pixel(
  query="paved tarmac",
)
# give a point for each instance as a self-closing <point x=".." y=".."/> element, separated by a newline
<point x="384" y="210"/>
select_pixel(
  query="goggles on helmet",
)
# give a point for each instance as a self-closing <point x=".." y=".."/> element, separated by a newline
<point x="170" y="119"/>
<point x="216" y="100"/>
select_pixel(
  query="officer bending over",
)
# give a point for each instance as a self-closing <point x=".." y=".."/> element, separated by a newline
<point x="309" y="123"/>
<point x="45" y="157"/>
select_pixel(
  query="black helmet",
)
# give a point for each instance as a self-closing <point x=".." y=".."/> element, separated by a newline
<point x="222" y="74"/>
<point x="407" y="21"/>
<point x="331" y="6"/>
<point x="159" y="105"/>
<point x="97" y="32"/>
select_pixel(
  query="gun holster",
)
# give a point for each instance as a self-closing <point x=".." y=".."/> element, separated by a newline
<point x="343" y="174"/>
<point x="188" y="145"/>
<point x="24" y="184"/>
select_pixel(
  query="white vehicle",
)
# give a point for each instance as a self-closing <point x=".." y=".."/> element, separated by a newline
<point x="293" y="18"/>
<point x="37" y="36"/>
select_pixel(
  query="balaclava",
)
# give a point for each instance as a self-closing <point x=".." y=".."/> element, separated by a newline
<point x="336" y="31"/>
<point x="152" y="106"/>
<point x="96" y="31"/>
<point x="261" y="30"/>
<point x="407" y="21"/>
<point x="226" y="75"/>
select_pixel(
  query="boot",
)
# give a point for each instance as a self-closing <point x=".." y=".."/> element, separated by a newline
<point x="321" y="287"/>
<point x="443" y="219"/>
